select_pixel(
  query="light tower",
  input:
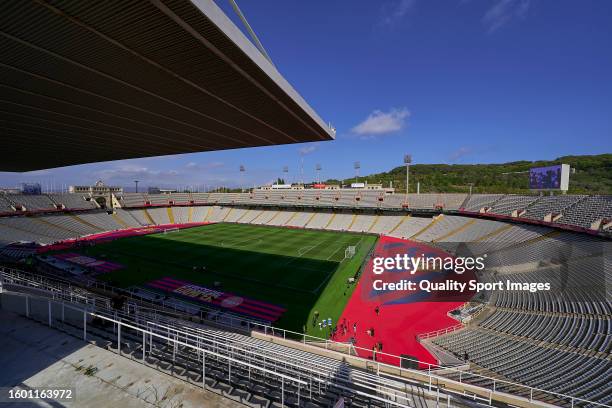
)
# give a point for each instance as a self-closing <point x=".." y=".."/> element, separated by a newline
<point x="407" y="161"/>
<point x="318" y="169"/>
<point x="136" y="183"/>
<point x="356" y="166"/>
<point x="285" y="173"/>
<point x="302" y="169"/>
<point x="242" y="170"/>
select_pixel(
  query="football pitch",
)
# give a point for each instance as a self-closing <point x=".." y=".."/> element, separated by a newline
<point x="302" y="270"/>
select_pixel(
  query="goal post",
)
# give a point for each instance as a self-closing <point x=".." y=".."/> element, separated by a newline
<point x="349" y="252"/>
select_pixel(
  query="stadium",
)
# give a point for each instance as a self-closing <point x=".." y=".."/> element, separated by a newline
<point x="267" y="296"/>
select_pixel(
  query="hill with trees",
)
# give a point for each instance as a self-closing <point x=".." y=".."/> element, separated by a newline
<point x="590" y="175"/>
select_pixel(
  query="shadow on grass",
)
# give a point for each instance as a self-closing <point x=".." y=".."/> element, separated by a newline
<point x="291" y="281"/>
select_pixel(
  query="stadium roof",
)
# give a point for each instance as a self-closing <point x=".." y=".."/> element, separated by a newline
<point x="84" y="82"/>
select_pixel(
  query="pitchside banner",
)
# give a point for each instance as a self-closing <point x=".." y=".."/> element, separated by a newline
<point x="237" y="304"/>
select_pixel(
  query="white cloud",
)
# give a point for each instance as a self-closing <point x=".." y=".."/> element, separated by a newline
<point x="125" y="173"/>
<point x="305" y="150"/>
<point x="503" y="11"/>
<point x="459" y="153"/>
<point x="204" y="166"/>
<point x="393" y="11"/>
<point x="380" y="123"/>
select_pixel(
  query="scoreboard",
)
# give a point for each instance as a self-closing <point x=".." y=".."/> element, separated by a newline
<point x="550" y="177"/>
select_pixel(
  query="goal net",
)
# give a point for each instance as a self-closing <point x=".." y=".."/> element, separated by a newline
<point x="349" y="252"/>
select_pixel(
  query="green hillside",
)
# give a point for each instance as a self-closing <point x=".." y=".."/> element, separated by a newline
<point x="593" y="175"/>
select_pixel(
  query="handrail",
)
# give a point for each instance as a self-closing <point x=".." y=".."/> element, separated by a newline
<point x="275" y="332"/>
<point x="439" y="332"/>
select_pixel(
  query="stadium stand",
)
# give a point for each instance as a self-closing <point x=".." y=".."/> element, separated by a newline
<point x="479" y="202"/>
<point x="217" y="214"/>
<point x="514" y="324"/>
<point x="73" y="201"/>
<point x="340" y="221"/>
<point x="432" y="201"/>
<point x="133" y="200"/>
<point x="589" y="211"/>
<point x="409" y="226"/>
<point x="361" y="222"/>
<point x="126" y="218"/>
<point x="198" y="214"/>
<point x="9" y="235"/>
<point x="100" y="220"/>
<point x="549" y="368"/>
<point x="140" y="217"/>
<point x="320" y="220"/>
<point x="265" y="217"/>
<point x="551" y="205"/>
<point x="39" y="229"/>
<point x="250" y="370"/>
<point x="5" y="205"/>
<point x="384" y="224"/>
<point x="300" y="219"/>
<point x="71" y="223"/>
<point x="33" y="202"/>
<point x="235" y="214"/>
<point x="558" y="340"/>
<point x="440" y="227"/>
<point x="512" y="204"/>
<point x="551" y="209"/>
<point x="282" y="218"/>
<point x="159" y="215"/>
<point x="180" y="215"/>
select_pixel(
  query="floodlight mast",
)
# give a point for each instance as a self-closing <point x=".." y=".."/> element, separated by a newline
<point x="136" y="182"/>
<point x="242" y="171"/>
<point x="407" y="161"/>
<point x="318" y="168"/>
<point x="356" y="166"/>
<point x="302" y="169"/>
<point x="286" y="174"/>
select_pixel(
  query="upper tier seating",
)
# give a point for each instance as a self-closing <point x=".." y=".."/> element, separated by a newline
<point x="579" y="212"/>
<point x="476" y="202"/>
<point x="5" y="204"/>
<point x="587" y="211"/>
<point x="512" y="202"/>
<point x="33" y="202"/>
<point x="73" y="201"/>
<point x="556" y="204"/>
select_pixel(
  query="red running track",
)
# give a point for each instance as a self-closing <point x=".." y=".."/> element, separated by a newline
<point x="402" y="315"/>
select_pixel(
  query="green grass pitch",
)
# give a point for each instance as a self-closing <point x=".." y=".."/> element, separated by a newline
<point x="302" y="270"/>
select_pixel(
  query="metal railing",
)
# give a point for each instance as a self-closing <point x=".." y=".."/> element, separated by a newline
<point x="152" y="334"/>
<point x="434" y="373"/>
<point x="439" y="332"/>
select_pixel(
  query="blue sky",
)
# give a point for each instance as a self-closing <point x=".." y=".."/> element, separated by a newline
<point x="454" y="81"/>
